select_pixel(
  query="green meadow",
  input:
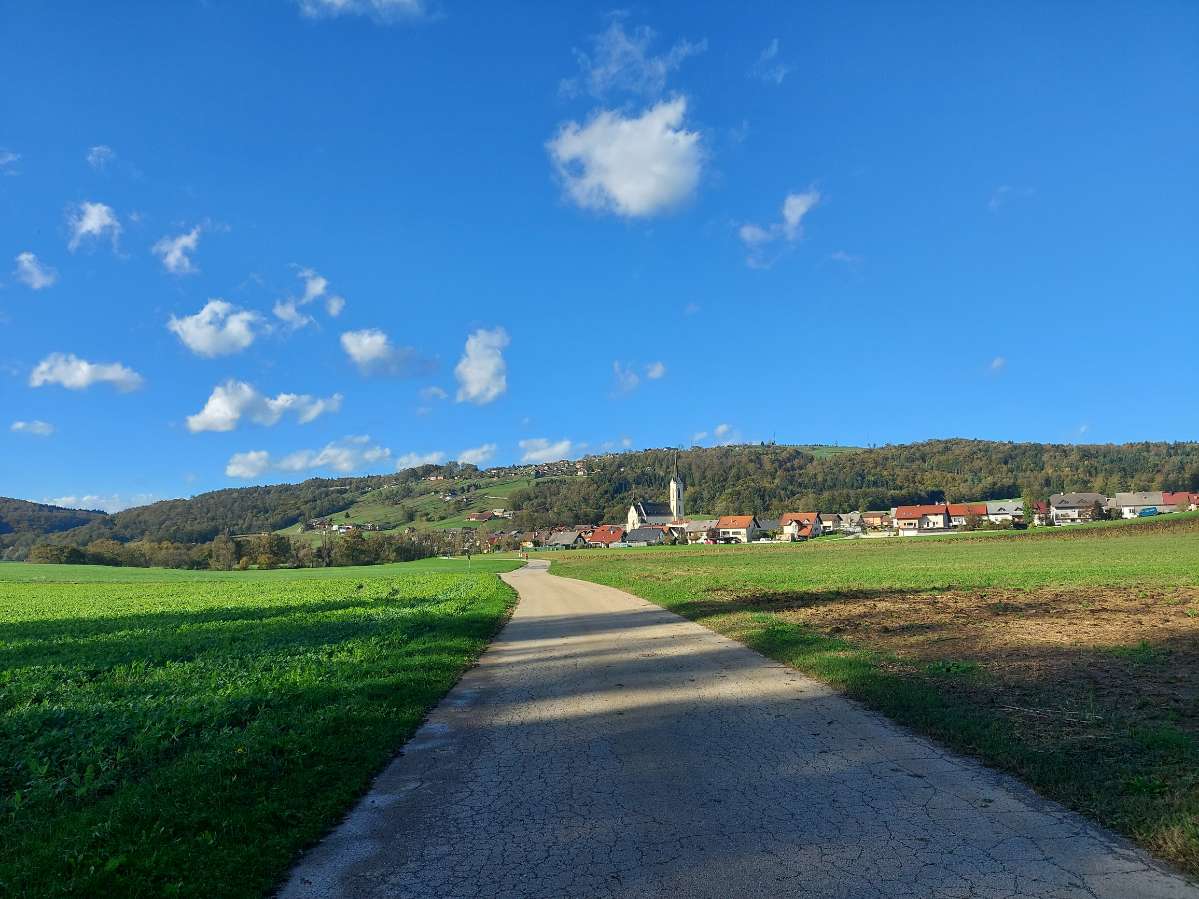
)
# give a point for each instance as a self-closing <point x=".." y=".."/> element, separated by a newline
<point x="189" y="733"/>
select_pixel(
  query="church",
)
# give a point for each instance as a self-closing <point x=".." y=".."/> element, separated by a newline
<point x="643" y="513"/>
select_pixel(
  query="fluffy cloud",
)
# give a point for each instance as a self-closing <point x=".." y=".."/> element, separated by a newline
<point x="173" y="251"/>
<point x="655" y="370"/>
<point x="112" y="503"/>
<point x="723" y="434"/>
<point x="768" y="67"/>
<point x="99" y="157"/>
<point x="32" y="273"/>
<point x="90" y="222"/>
<point x="343" y="456"/>
<point x="482" y="372"/>
<point x="373" y="352"/>
<point x="379" y="10"/>
<point x="316" y="286"/>
<point x="233" y="400"/>
<point x="216" y="330"/>
<point x="538" y="449"/>
<point x="477" y="455"/>
<point x="621" y="61"/>
<point x="632" y="166"/>
<point x="757" y="238"/>
<point x="74" y="373"/>
<point x="415" y="460"/>
<point x="32" y="428"/>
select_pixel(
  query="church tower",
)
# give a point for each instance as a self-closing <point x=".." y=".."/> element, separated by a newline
<point x="676" y="491"/>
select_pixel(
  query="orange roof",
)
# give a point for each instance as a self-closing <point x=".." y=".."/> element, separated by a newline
<point x="967" y="509"/>
<point x="1179" y="499"/>
<point x="734" y="522"/>
<point x="917" y="511"/>
<point x="607" y="533"/>
<point x="801" y="517"/>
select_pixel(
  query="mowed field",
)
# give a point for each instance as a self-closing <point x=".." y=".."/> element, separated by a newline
<point x="1069" y="657"/>
<point x="188" y="733"/>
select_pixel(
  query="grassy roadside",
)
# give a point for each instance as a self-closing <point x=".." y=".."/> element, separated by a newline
<point x="1070" y="663"/>
<point x="189" y="736"/>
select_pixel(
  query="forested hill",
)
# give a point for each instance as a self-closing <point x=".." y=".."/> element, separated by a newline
<point x="774" y="479"/>
<point x="765" y="479"/>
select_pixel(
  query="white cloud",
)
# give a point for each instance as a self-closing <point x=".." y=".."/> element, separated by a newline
<point x="721" y="430"/>
<point x="998" y="364"/>
<point x="655" y="370"/>
<point x="415" y="460"/>
<point x="433" y="392"/>
<point x="111" y="503"/>
<point x="699" y="436"/>
<point x="74" y="373"/>
<point x="790" y="229"/>
<point x="626" y="379"/>
<point x="481" y="372"/>
<point x="538" y="449"/>
<point x="1005" y="193"/>
<point x="379" y="10"/>
<point x="173" y="251"/>
<point x="845" y="258"/>
<point x="343" y="456"/>
<point x="316" y="286"/>
<point x="372" y="351"/>
<point x="91" y="222"/>
<point x="99" y="156"/>
<point x="768" y="67"/>
<point x="216" y="330"/>
<point x="233" y="400"/>
<point x="722" y="435"/>
<point x="8" y="161"/>
<point x="33" y="273"/>
<point x="334" y="305"/>
<point x="477" y="455"/>
<point x="34" y="428"/>
<point x="621" y="61"/>
<point x="286" y="311"/>
<point x="632" y="166"/>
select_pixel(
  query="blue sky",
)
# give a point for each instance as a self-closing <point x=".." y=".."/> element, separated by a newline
<point x="247" y="243"/>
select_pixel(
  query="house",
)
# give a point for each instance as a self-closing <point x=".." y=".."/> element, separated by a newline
<point x="829" y="521"/>
<point x="645" y="536"/>
<point x="800" y="525"/>
<point x="1040" y="513"/>
<point x="565" y="540"/>
<point x="877" y="520"/>
<point x="1133" y="505"/>
<point x="926" y="519"/>
<point x="1180" y="502"/>
<point x="737" y="528"/>
<point x="1005" y="511"/>
<point x="701" y="530"/>
<point x="961" y="514"/>
<point x="480" y="516"/>
<point x="769" y="526"/>
<point x="1071" y="508"/>
<point x="851" y="522"/>
<point x="605" y="535"/>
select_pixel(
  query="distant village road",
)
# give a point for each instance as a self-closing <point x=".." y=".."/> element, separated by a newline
<point x="605" y="747"/>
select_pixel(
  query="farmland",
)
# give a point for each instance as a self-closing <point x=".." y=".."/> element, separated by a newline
<point x="188" y="733"/>
<point x="1068" y="657"/>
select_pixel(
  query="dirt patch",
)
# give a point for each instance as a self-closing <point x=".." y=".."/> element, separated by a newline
<point x="1060" y="659"/>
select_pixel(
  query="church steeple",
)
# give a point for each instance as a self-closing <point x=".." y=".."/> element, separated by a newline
<point x="676" y="491"/>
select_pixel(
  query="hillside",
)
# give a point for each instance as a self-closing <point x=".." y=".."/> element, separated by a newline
<point x="766" y="479"/>
<point x="22" y="523"/>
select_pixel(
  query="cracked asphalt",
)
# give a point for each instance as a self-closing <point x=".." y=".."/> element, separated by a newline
<point x="606" y="747"/>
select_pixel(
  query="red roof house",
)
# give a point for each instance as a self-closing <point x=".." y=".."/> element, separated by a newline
<point x="606" y="535"/>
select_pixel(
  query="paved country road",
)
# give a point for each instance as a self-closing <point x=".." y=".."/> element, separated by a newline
<point x="606" y="747"/>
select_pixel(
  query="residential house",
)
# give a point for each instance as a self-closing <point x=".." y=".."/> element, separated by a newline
<point x="829" y="522"/>
<point x="1180" y="502"/>
<point x="1040" y="513"/>
<point x="851" y="523"/>
<point x="769" y="526"/>
<point x="877" y="520"/>
<point x="737" y="528"/>
<point x="605" y="535"/>
<point x="961" y="514"/>
<point x="480" y="516"/>
<point x="925" y="519"/>
<point x="1071" y="508"/>
<point x="1005" y="511"/>
<point x="1133" y="505"/>
<point x="701" y="530"/>
<point x="645" y="536"/>
<point x="565" y="540"/>
<point x="800" y="526"/>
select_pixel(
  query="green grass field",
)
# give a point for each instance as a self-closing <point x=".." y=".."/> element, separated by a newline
<point x="188" y="733"/>
<point x="1069" y="656"/>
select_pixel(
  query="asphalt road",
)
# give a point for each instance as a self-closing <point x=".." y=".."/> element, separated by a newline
<point x="605" y="747"/>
